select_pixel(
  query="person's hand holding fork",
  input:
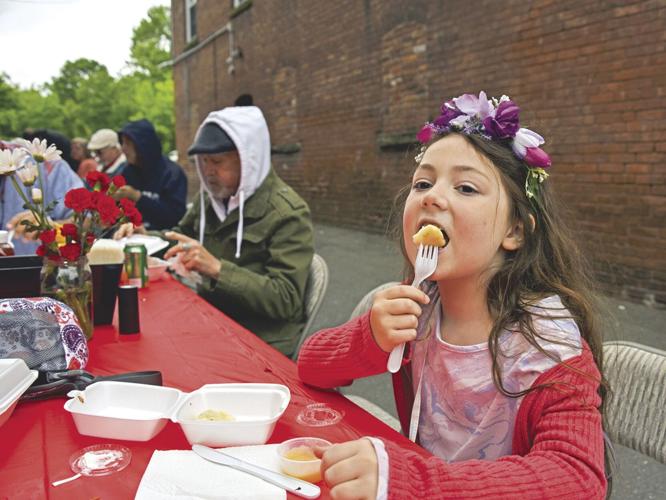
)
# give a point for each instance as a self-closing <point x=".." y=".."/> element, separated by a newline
<point x="394" y="315"/>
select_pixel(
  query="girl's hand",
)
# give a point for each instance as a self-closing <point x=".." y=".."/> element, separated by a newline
<point x="394" y="315"/>
<point x="194" y="256"/>
<point x="350" y="469"/>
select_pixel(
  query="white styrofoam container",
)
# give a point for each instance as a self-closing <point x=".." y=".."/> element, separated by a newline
<point x="255" y="407"/>
<point x="122" y="410"/>
<point x="138" y="412"/>
<point x="15" y="378"/>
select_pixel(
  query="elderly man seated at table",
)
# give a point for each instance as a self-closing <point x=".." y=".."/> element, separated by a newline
<point x="249" y="235"/>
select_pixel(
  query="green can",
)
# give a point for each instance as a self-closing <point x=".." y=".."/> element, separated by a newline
<point x="136" y="264"/>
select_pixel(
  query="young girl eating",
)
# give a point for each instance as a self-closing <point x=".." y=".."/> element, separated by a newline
<point x="501" y="378"/>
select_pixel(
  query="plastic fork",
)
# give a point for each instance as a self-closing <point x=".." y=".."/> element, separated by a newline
<point x="426" y="263"/>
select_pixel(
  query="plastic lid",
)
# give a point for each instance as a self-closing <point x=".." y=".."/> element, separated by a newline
<point x="319" y="415"/>
<point x="100" y="459"/>
<point x="4" y="237"/>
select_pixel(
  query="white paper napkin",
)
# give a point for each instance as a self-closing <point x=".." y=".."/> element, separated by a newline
<point x="180" y="474"/>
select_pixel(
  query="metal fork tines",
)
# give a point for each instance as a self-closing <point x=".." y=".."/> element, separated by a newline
<point x="425" y="265"/>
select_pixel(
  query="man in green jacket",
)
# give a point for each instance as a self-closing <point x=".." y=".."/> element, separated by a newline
<point x="249" y="235"/>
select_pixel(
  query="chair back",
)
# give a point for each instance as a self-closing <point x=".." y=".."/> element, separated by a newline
<point x="365" y="303"/>
<point x="315" y="289"/>
<point x="636" y="411"/>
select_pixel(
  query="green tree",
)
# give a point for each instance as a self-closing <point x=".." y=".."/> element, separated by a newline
<point x="84" y="97"/>
<point x="8" y="106"/>
<point x="151" y="44"/>
<point x="73" y="74"/>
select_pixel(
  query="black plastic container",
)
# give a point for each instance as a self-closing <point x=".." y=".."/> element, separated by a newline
<point x="128" y="309"/>
<point x="19" y="276"/>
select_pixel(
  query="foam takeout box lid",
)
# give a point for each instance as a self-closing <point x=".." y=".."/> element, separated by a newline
<point x="15" y="378"/>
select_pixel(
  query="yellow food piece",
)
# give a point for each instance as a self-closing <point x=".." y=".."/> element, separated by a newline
<point x="429" y="235"/>
<point x="300" y="453"/>
<point x="215" y="415"/>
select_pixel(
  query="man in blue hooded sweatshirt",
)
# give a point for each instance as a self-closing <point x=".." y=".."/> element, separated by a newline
<point x="157" y="185"/>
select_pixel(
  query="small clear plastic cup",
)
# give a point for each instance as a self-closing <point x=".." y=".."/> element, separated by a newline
<point x="297" y="458"/>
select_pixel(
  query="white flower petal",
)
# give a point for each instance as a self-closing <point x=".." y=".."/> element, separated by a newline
<point x="467" y="103"/>
<point x="527" y="138"/>
<point x="459" y="121"/>
<point x="518" y="149"/>
<point x="485" y="106"/>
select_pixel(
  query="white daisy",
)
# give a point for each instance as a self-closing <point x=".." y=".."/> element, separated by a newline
<point x="10" y="160"/>
<point x="28" y="173"/>
<point x="40" y="150"/>
<point x="36" y="195"/>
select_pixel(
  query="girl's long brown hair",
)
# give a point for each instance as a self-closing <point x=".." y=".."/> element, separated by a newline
<point x="548" y="263"/>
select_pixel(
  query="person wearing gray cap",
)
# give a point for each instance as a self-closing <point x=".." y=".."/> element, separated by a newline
<point x="105" y="146"/>
<point x="249" y="235"/>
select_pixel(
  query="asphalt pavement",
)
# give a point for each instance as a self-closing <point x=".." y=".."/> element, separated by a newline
<point x="360" y="261"/>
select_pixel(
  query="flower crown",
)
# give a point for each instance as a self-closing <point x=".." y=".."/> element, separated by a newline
<point x="495" y="120"/>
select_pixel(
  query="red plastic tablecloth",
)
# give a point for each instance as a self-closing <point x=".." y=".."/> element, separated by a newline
<point x="192" y="344"/>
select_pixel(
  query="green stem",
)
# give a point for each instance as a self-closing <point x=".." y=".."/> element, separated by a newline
<point x="25" y="199"/>
<point x="41" y="188"/>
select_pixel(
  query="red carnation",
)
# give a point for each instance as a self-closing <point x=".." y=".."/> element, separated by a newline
<point x="129" y="208"/>
<point x="78" y="199"/>
<point x="90" y="239"/>
<point x="71" y="251"/>
<point x="68" y="230"/>
<point x="118" y="181"/>
<point x="135" y="217"/>
<point x="47" y="236"/>
<point x="108" y="210"/>
<point x="126" y="204"/>
<point x="98" y="181"/>
<point x="41" y="250"/>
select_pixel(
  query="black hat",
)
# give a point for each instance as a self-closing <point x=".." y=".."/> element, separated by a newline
<point x="210" y="140"/>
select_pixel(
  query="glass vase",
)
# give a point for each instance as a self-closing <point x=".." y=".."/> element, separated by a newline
<point x="70" y="282"/>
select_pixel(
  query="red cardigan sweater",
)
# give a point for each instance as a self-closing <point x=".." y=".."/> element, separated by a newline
<point x="558" y="449"/>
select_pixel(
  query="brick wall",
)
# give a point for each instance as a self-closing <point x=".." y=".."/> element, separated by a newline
<point x="347" y="80"/>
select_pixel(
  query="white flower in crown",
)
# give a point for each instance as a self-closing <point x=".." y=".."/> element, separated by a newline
<point x="10" y="160"/>
<point x="40" y="150"/>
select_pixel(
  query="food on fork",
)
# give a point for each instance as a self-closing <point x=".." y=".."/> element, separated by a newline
<point x="429" y="235"/>
<point x="215" y="415"/>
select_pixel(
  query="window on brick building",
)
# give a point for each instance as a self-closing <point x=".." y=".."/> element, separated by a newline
<point x="190" y="20"/>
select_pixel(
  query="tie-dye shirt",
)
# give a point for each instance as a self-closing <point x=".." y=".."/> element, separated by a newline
<point x="463" y="415"/>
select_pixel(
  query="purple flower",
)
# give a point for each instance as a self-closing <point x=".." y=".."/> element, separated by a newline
<point x="449" y="112"/>
<point x="505" y="122"/>
<point x="426" y="133"/>
<point x="471" y="105"/>
<point x="537" y="157"/>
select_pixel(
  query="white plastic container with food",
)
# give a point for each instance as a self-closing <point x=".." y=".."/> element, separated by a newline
<point x="15" y="378"/>
<point x="243" y="414"/>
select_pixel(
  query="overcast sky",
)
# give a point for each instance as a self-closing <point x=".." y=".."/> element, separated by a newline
<point x="38" y="36"/>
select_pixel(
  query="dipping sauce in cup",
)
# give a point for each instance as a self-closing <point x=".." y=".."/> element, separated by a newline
<point x="297" y="458"/>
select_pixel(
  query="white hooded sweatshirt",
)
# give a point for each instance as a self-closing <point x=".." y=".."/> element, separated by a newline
<point x="247" y="128"/>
